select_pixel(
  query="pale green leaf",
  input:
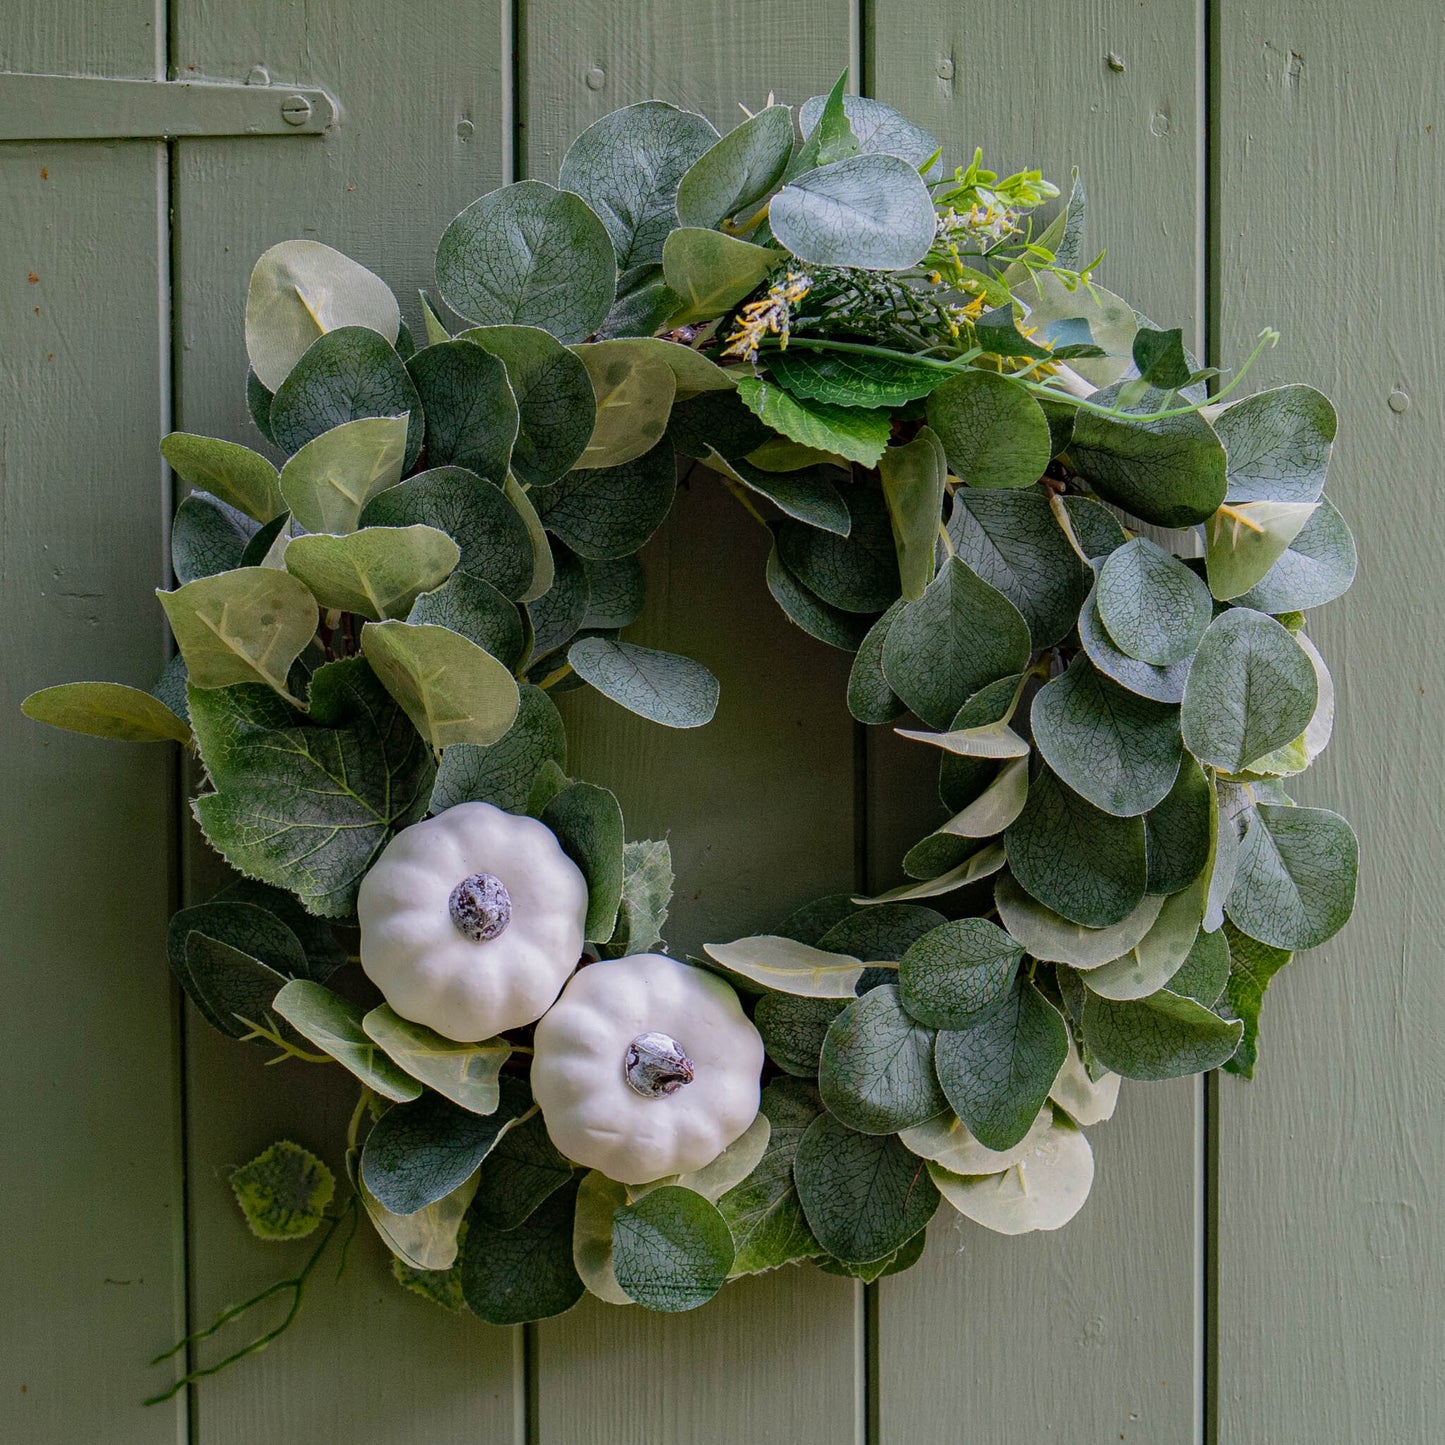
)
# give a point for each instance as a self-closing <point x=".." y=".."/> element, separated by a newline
<point x="377" y="572"/>
<point x="1158" y="956"/>
<point x="106" y="710"/>
<point x="1049" y="936"/>
<point x="789" y="967"/>
<point x="333" y="1024"/>
<point x="238" y="476"/>
<point x="664" y="687"/>
<point x="1244" y="540"/>
<point x="946" y="1140"/>
<point x="328" y="482"/>
<point x="1314" y="569"/>
<point x="1279" y="444"/>
<point x="428" y="1239"/>
<point x="464" y="1073"/>
<point x="634" y="392"/>
<point x="712" y="272"/>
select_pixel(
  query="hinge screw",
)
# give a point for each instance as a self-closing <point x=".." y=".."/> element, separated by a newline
<point x="295" y="110"/>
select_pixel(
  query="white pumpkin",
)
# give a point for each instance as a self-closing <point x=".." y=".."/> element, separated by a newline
<point x="646" y="1067"/>
<point x="471" y="921"/>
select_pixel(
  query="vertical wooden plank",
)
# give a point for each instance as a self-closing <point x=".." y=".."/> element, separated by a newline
<point x="758" y="805"/>
<point x="1330" y="1224"/>
<point x="1091" y="1334"/>
<point x="92" y="1268"/>
<point x="423" y="133"/>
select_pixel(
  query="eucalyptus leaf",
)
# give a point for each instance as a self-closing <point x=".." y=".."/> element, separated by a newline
<point x="993" y="431"/>
<point x="427" y="1241"/>
<point x="1164" y="1036"/>
<point x="529" y="255"/>
<point x="885" y="932"/>
<point x="588" y="823"/>
<point x="467" y="1074"/>
<point x="493" y="538"/>
<point x="870" y="699"/>
<point x="1085" y="1099"/>
<point x="995" y="808"/>
<point x="793" y="1029"/>
<point x="913" y="477"/>
<point x="377" y="572"/>
<point x="1204" y="973"/>
<point x="471" y="414"/>
<point x="1011" y="540"/>
<point x="1279" y="443"/>
<point x="1050" y="937"/>
<point x="627" y="166"/>
<point x="979" y="865"/>
<point x="234" y="991"/>
<point x="1295" y="884"/>
<point x="544" y="569"/>
<point x="1120" y="751"/>
<point x="556" y="406"/>
<point x="514" y="1276"/>
<point x="476" y="610"/>
<point x="238" y="476"/>
<point x="1251" y="689"/>
<point x="863" y="1195"/>
<point x="737" y="170"/>
<point x="712" y="272"/>
<point x="559" y="612"/>
<point x="961" y="635"/>
<point x="244" y="626"/>
<point x="451" y="689"/>
<point x="809" y="495"/>
<point x="300" y="290"/>
<point x="503" y="773"/>
<point x="419" y="1152"/>
<point x="946" y="1140"/>
<point x="664" y="687"/>
<point x="856" y="571"/>
<point x="208" y="536"/>
<point x="523" y="1169"/>
<point x="608" y="512"/>
<point x="1162" y="684"/>
<point x="840" y="629"/>
<point x="308" y="801"/>
<point x="1316" y="567"/>
<point x="957" y="973"/>
<point x="672" y="1250"/>
<point x="344" y="376"/>
<point x="331" y="479"/>
<point x="876" y="1068"/>
<point x="1158" y="956"/>
<point x="1154" y="608"/>
<point x="107" y="710"/>
<point x="1176" y="831"/>
<point x="870" y="211"/>
<point x="333" y="1024"/>
<point x="876" y="127"/>
<point x="598" y="1199"/>
<point x="1074" y="858"/>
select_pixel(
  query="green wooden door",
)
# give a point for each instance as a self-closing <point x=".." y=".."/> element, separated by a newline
<point x="1258" y="1265"/>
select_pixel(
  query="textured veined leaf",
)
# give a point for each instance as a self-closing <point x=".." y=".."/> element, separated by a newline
<point x="1049" y="936"/>
<point x="664" y="687"/>
<point x="856" y="433"/>
<point x="1158" y="956"/>
<point x="993" y="431"/>
<point x="876" y="127"/>
<point x="377" y="572"/>
<point x="330" y="480"/>
<point x="1154" y="607"/>
<point x="333" y="1024"/>
<point x="848" y="379"/>
<point x="671" y="1250"/>
<point x="876" y="1068"/>
<point x="976" y="866"/>
<point x="1163" y="1036"/>
<point x="811" y="496"/>
<point x="610" y="512"/>
<point x="235" y="474"/>
<point x="283" y="1191"/>
<point x="588" y="823"/>
<point x="1244" y="540"/>
<point x="1279" y="443"/>
<point x="1315" y="568"/>
<point x="107" y="710"/>
<point x="514" y="1276"/>
<point x="956" y="973"/>
<point x="465" y="1073"/>
<point x="788" y="966"/>
<point x="738" y="170"/>
<point x="471" y="414"/>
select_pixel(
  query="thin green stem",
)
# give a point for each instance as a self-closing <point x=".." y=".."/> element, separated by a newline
<point x="862" y="348"/>
<point x="555" y="676"/>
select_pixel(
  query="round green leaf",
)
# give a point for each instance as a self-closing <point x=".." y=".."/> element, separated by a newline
<point x="1163" y="1036"/>
<point x="1154" y="607"/>
<point x="503" y="773"/>
<point x="876" y="127"/>
<point x="868" y="211"/>
<point x="588" y="823"/>
<point x="330" y="480"/>
<point x="993" y="431"/>
<point x="300" y="290"/>
<point x="1076" y="859"/>
<point x="634" y="390"/>
<point x="626" y="166"/>
<point x="1162" y="684"/>
<point x="956" y="973"/>
<point x="555" y="402"/>
<point x="737" y="170"/>
<point x="529" y="255"/>
<point x="671" y="1250"/>
<point x="471" y="414"/>
<point x="238" y="476"/>
<point x="857" y="572"/>
<point x="1251" y="689"/>
<point x="863" y="1195"/>
<point x="840" y="629"/>
<point x="515" y="1276"/>
<point x="344" y="376"/>
<point x="1052" y="938"/>
<point x="476" y="610"/>
<point x="208" y="536"/>
<point x="1158" y="956"/>
<point x="1118" y="750"/>
<point x="1177" y="831"/>
<point x="605" y="512"/>
<point x="870" y="699"/>
<point x="876" y="1068"/>
<point x="712" y="272"/>
<point x="1314" y="569"/>
<point x="1279" y="444"/>
<point x="377" y="572"/>
<point x="1295" y="884"/>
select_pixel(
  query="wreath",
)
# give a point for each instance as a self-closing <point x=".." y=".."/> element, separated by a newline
<point x="954" y="436"/>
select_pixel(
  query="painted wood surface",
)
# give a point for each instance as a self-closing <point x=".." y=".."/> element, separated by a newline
<point x="1330" y="1222"/>
<point x="1284" y="1297"/>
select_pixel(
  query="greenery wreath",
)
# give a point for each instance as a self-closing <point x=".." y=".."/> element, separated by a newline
<point x="929" y="406"/>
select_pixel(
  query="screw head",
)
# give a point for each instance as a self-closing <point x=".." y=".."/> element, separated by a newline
<point x="1398" y="402"/>
<point x="596" y="78"/>
<point x="295" y="110"/>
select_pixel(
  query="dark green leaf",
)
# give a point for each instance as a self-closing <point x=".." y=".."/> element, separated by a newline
<point x="886" y="931"/>
<point x="863" y="1195"/>
<point x="1176" y="831"/>
<point x="1160" y="1037"/>
<point x="957" y="973"/>
<point x="997" y="1074"/>
<point x="1205" y="971"/>
<point x="419" y="1152"/>
<point x="1160" y="357"/>
<point x="555" y="402"/>
<point x="993" y="431"/>
<point x="529" y="255"/>
<point x="233" y="990"/>
<point x="283" y="1191"/>
<point x="471" y="414"/>
<point x="716" y="421"/>
<point x="870" y="699"/>
<point x="611" y="511"/>
<point x="793" y="1030"/>
<point x="1295" y="884"/>
<point x="1162" y="684"/>
<point x="1251" y="966"/>
<point x="1075" y="859"/>
<point x="963" y="777"/>
<point x="324" y="951"/>
<point x="307" y="802"/>
<point x="853" y="432"/>
<point x="809" y="494"/>
<point x="616" y="591"/>
<point x="475" y="609"/>
<point x="857" y="572"/>
<point x="503" y="773"/>
<point x="476" y="515"/>
<point x="848" y="379"/>
<point x="345" y="375"/>
<point x="959" y="636"/>
<point x="558" y="613"/>
<point x="514" y="1276"/>
<point x="520" y="1171"/>
<point x="876" y="1067"/>
<point x="840" y="629"/>
<point x="1154" y="607"/>
<point x="665" y="687"/>
<point x="588" y="823"/>
<point x="208" y="536"/>
<point x="1118" y="750"/>
<point x="672" y="1250"/>
<point x="645" y="303"/>
<point x="627" y="166"/>
<point x="737" y="170"/>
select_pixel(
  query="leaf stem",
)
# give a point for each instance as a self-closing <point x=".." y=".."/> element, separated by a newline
<point x="1061" y="516"/>
<point x="555" y="676"/>
<point x="288" y="1049"/>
